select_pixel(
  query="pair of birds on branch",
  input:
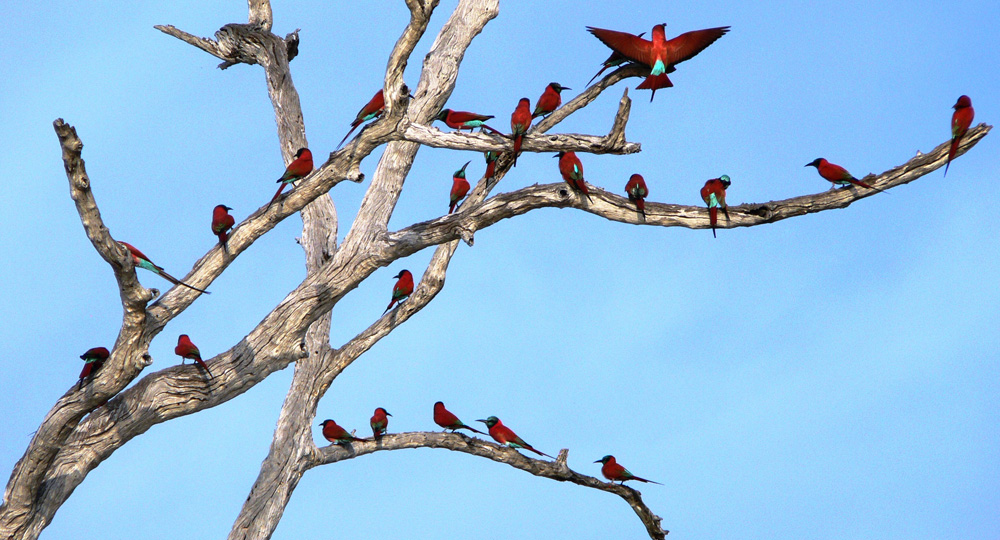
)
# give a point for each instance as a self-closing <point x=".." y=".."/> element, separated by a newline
<point x="446" y="419"/>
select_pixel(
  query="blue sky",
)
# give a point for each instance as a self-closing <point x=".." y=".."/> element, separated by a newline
<point x="831" y="376"/>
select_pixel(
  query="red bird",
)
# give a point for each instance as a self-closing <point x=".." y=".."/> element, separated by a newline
<point x="464" y="120"/>
<point x="520" y="121"/>
<point x="380" y="422"/>
<point x="140" y="260"/>
<point x="94" y="359"/>
<point x="336" y="434"/>
<point x="714" y="195"/>
<point x="373" y="109"/>
<point x="550" y="100"/>
<point x="491" y="163"/>
<point x="572" y="172"/>
<point x="402" y="289"/>
<point x="837" y="174"/>
<point x="222" y="222"/>
<point x="444" y="418"/>
<point x="187" y="350"/>
<point x="637" y="192"/>
<point x="960" y="122"/>
<point x="504" y="435"/>
<point x="616" y="59"/>
<point x="616" y="473"/>
<point x="660" y="54"/>
<point x="301" y="166"/>
<point x="459" y="187"/>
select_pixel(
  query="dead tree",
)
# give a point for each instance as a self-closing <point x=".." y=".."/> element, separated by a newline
<point x="85" y="426"/>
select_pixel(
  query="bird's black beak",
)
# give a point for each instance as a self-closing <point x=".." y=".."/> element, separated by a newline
<point x="598" y="461"/>
<point x="483" y="421"/>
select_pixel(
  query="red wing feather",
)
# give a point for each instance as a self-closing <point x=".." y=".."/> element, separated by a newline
<point x="689" y="44"/>
<point x="463" y="116"/>
<point x="628" y="45"/>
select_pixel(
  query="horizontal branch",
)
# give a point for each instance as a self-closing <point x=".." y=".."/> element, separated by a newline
<point x="482" y="142"/>
<point x="458" y="442"/>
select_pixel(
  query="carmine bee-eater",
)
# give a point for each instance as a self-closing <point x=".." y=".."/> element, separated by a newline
<point x="187" y="350"/>
<point x="222" y="222"/>
<point x="94" y="359"/>
<point x="616" y="59"/>
<point x="572" y="172"/>
<point x="142" y="261"/>
<point x="637" y="192"/>
<point x="520" y="121"/>
<point x="504" y="435"/>
<point x="459" y="187"/>
<point x="373" y="109"/>
<point x="336" y="434"/>
<point x="660" y="54"/>
<point x="491" y="163"/>
<point x="960" y="122"/>
<point x="714" y="195"/>
<point x="444" y="418"/>
<point x="380" y="422"/>
<point x="550" y="100"/>
<point x="301" y="166"/>
<point x="402" y="289"/>
<point x="837" y="174"/>
<point x="616" y="473"/>
<point x="464" y="120"/>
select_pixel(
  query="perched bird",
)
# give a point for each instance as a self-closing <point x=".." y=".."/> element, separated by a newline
<point x="444" y="418"/>
<point x="520" y="121"/>
<point x="94" y="359"/>
<point x="616" y="473"/>
<point x="637" y="192"/>
<point x="301" y="166"/>
<point x="336" y="434"/>
<point x="222" y="223"/>
<point x="660" y="54"/>
<point x="572" y="172"/>
<point x="187" y="350"/>
<point x="464" y="120"/>
<point x="960" y="122"/>
<point x="459" y="187"/>
<point x="373" y="109"/>
<point x="550" y="100"/>
<point x="504" y="435"/>
<point x="837" y="174"/>
<point x="380" y="422"/>
<point x="714" y="195"/>
<point x="402" y="289"/>
<point x="142" y="261"/>
<point x="491" y="163"/>
<point x="616" y="59"/>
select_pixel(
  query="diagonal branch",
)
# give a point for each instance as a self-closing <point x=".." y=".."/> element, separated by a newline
<point x="458" y="442"/>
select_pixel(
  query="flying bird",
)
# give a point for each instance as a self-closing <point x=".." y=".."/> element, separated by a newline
<point x="616" y="473"/>
<point x="139" y="260"/>
<point x="459" y="187"/>
<point x="380" y="422"/>
<point x="504" y="435"/>
<point x="187" y="350"/>
<point x="464" y="120"/>
<point x="550" y="100"/>
<point x="660" y="54"/>
<point x="94" y="359"/>
<point x="402" y="289"/>
<point x="373" y="109"/>
<point x="637" y="192"/>
<point x="444" y="418"/>
<point x="837" y="174"/>
<point x="520" y="121"/>
<point x="222" y="223"/>
<point x="336" y="434"/>
<point x="571" y="170"/>
<point x="960" y="122"/>
<point x="714" y="195"/>
<point x="301" y="166"/>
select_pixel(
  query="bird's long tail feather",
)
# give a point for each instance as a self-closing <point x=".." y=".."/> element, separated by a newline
<point x="353" y="127"/>
<point x="176" y="281"/>
<point x="204" y="366"/>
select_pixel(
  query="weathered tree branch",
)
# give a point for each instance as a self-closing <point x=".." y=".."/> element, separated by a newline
<point x="458" y="442"/>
